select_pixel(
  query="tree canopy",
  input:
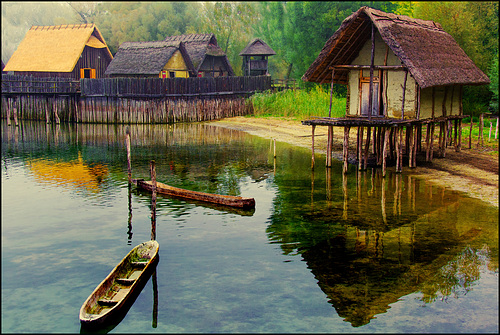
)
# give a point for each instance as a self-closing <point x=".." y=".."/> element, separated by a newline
<point x="296" y="30"/>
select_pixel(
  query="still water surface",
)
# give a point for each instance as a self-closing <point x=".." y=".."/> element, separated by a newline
<point x="318" y="254"/>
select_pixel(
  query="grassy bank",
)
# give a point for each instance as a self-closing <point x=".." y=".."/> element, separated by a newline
<point x="298" y="104"/>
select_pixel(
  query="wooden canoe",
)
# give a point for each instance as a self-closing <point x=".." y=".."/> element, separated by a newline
<point x="227" y="200"/>
<point x="121" y="286"/>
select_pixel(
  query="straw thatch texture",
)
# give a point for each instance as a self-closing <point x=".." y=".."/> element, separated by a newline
<point x="199" y="46"/>
<point x="257" y="47"/>
<point x="432" y="56"/>
<point x="145" y="58"/>
<point x="55" y="48"/>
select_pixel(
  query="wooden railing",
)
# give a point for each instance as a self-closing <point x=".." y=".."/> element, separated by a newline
<point x="174" y="87"/>
<point x="15" y="84"/>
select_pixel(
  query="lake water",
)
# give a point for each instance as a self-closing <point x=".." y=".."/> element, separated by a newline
<point x="320" y="253"/>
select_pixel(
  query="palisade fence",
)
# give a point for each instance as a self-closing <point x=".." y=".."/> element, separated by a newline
<point x="129" y="100"/>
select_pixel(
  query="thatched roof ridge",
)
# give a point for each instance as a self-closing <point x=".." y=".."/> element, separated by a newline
<point x="432" y="56"/>
<point x="257" y="47"/>
<point x="145" y="58"/>
<point x="55" y="48"/>
<point x="198" y="46"/>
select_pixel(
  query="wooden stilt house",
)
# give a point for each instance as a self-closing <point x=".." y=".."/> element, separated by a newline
<point x="151" y="59"/>
<point x="400" y="73"/>
<point x="69" y="51"/>
<point x="255" y="56"/>
<point x="208" y="59"/>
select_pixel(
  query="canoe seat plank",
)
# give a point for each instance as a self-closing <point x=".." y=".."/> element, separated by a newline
<point x="139" y="264"/>
<point x="125" y="281"/>
<point x="107" y="302"/>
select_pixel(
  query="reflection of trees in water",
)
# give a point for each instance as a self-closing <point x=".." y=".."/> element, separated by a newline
<point x="458" y="276"/>
<point x="374" y="240"/>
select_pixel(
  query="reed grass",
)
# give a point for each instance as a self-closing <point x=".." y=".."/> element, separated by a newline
<point x="298" y="104"/>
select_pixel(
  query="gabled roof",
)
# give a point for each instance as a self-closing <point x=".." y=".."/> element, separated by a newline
<point x="55" y="48"/>
<point x="198" y="46"/>
<point x="257" y="47"/>
<point x="145" y="58"/>
<point x="430" y="54"/>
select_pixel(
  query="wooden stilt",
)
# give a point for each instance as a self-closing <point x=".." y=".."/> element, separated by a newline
<point x="384" y="151"/>
<point x="360" y="148"/>
<point x="329" y="147"/>
<point x="9" y="106"/>
<point x="470" y="133"/>
<point x="445" y="138"/>
<point x="312" y="136"/>
<point x="411" y="143"/>
<point x="367" y="147"/>
<point x="346" y="148"/>
<point x="459" y="144"/>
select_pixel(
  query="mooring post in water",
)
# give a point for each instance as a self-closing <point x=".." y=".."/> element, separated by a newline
<point x="153" y="200"/>
<point x="312" y="148"/>
<point x="129" y="165"/>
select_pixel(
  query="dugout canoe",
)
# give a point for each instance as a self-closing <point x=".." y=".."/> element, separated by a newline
<point x="121" y="286"/>
<point x="227" y="200"/>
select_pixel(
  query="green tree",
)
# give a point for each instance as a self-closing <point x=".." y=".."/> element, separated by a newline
<point x="231" y="22"/>
<point x="493" y="74"/>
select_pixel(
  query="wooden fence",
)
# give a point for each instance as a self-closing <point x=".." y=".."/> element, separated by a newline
<point x="16" y="84"/>
<point x="174" y="87"/>
<point x="128" y="100"/>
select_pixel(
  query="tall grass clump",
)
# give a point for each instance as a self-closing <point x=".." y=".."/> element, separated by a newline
<point x="298" y="103"/>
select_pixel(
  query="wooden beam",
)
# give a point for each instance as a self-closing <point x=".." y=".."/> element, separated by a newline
<point x="367" y="67"/>
<point x="372" y="62"/>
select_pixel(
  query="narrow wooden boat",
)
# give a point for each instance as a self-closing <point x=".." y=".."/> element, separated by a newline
<point x="121" y="286"/>
<point x="227" y="200"/>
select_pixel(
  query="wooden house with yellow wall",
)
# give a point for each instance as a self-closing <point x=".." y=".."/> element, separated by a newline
<point x="208" y="59"/>
<point x="151" y="59"/>
<point x="68" y="51"/>
<point x="400" y="72"/>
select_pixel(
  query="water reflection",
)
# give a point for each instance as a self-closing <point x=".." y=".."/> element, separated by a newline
<point x="370" y="240"/>
<point x="367" y="240"/>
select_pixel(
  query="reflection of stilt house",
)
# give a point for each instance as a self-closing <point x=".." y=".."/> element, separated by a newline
<point x="255" y="57"/>
<point x="400" y="73"/>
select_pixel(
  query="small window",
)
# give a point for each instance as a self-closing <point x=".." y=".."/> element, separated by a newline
<point x="171" y="74"/>
<point x="87" y="73"/>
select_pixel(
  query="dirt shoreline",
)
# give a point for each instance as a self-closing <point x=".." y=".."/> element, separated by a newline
<point x="472" y="171"/>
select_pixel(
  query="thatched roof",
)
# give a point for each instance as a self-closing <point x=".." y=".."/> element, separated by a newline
<point x="145" y="58"/>
<point x="257" y="47"/>
<point x="198" y="46"/>
<point x="432" y="56"/>
<point x="55" y="48"/>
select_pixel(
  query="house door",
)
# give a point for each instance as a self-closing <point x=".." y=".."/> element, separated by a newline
<point x="365" y="95"/>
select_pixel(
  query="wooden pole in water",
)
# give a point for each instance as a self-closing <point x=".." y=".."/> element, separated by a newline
<point x="346" y="148"/>
<point x="312" y="162"/>
<point x="360" y="148"/>
<point x="153" y="200"/>
<point x="329" y="147"/>
<point x="384" y="151"/>
<point x="15" y="112"/>
<point x="129" y="165"/>
<point x="367" y="147"/>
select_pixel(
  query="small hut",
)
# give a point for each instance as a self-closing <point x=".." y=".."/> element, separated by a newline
<point x="151" y="59"/>
<point x="69" y="51"/>
<point x="399" y="72"/>
<point x="208" y="59"/>
<point x="255" y="56"/>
